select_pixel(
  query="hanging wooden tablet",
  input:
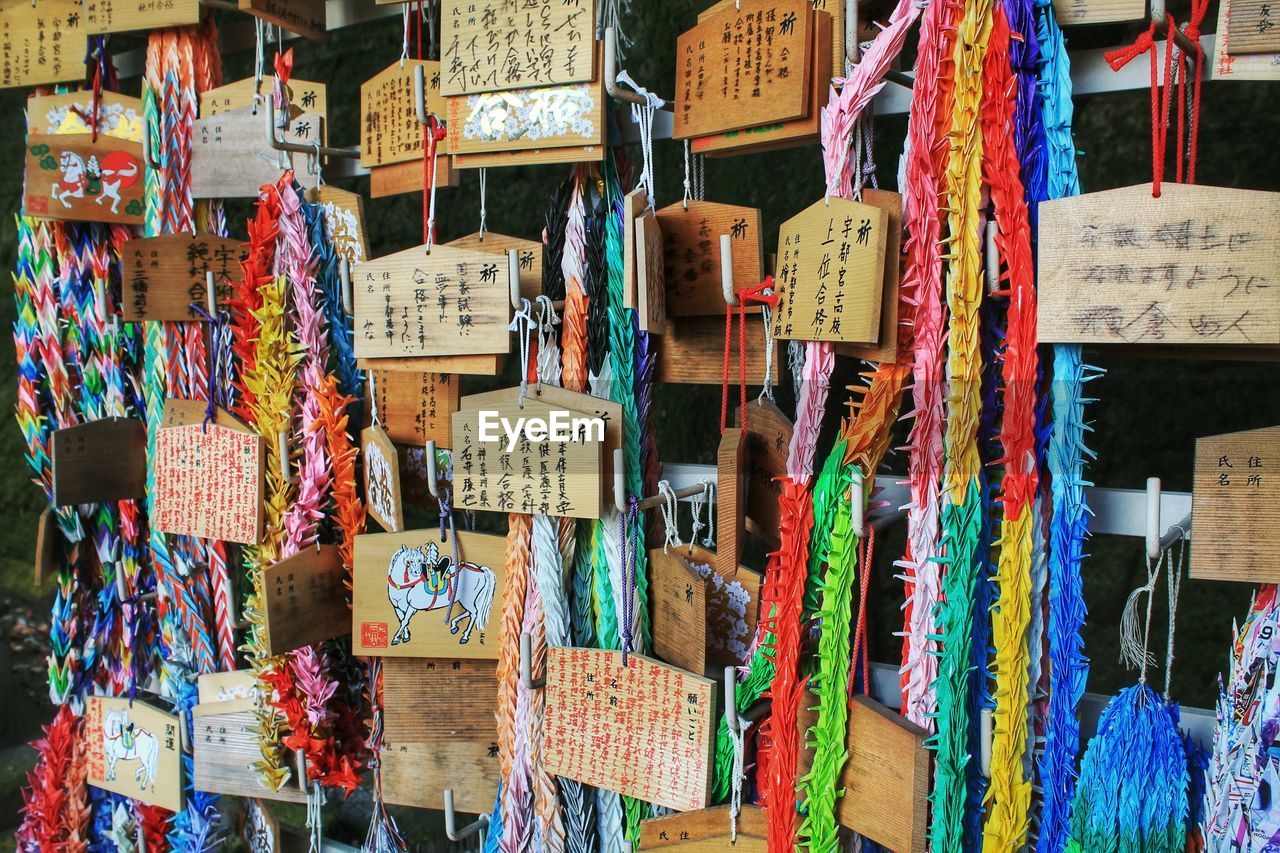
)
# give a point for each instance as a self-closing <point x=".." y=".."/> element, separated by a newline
<point x="1077" y="12"/>
<point x="227" y="686"/>
<point x="304" y="17"/>
<point x="692" y="349"/>
<point x="651" y="307"/>
<point x="768" y="434"/>
<point x="708" y="830"/>
<point x="633" y="204"/>
<point x="732" y="605"/>
<point x="46" y="561"/>
<point x="133" y="749"/>
<point x="258" y="829"/>
<point x="542" y="473"/>
<point x="1229" y="64"/>
<point x="389" y="128"/>
<point x="885" y="778"/>
<point x="162" y="278"/>
<point x="225" y="744"/>
<point x="830" y="276"/>
<point x="44" y="42"/>
<point x="119" y="115"/>
<point x="100" y="461"/>
<point x="449" y="302"/>
<point x="209" y="478"/>
<point x="305" y="600"/>
<point x="381" y="478"/>
<point x="679" y="610"/>
<point x="1235" y="507"/>
<point x="1195" y="266"/>
<point x="415" y="408"/>
<point x="643" y="729"/>
<point x="785" y="134"/>
<point x="467" y="365"/>
<point x="531" y="157"/>
<point x="731" y="500"/>
<point x="482" y="48"/>
<point x="691" y="243"/>
<point x="528" y="252"/>
<point x="73" y="177"/>
<point x="400" y="178"/>
<point x="744" y="67"/>
<point x="107" y="17"/>
<point x="399" y="575"/>
<point x="834" y="9"/>
<point x="439" y="733"/>
<point x="304" y="96"/>
<point x="343" y="213"/>
<point x="886" y="349"/>
<point x="230" y="157"/>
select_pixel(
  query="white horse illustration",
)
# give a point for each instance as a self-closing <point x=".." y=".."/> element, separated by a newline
<point x="75" y="178"/>
<point x="123" y="740"/>
<point x="118" y="170"/>
<point x="420" y="579"/>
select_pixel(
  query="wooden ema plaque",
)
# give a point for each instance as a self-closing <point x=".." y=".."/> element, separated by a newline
<point x="43" y="43"/>
<point x="679" y="610"/>
<point x="528" y="255"/>
<point x="304" y="17"/>
<point x="100" y="462"/>
<point x="107" y="17"/>
<point x="1235" y="507"/>
<point x="230" y="157"/>
<point x="47" y="537"/>
<point x="163" y="277"/>
<point x="731" y="499"/>
<point x="224" y="741"/>
<point x="439" y="733"/>
<point x="305" y="600"/>
<point x="209" y="478"/>
<point x="398" y="575"/>
<point x="642" y="730"/>
<point x="466" y="365"/>
<point x="71" y="177"/>
<point x="692" y="351"/>
<point x="768" y="436"/>
<point x="633" y="205"/>
<point x="784" y="134"/>
<point x="885" y="778"/>
<point x="691" y="244"/>
<point x="400" y="178"/>
<point x="449" y="302"/>
<point x="494" y="45"/>
<point x="389" y="127"/>
<point x="132" y="749"/>
<point x="532" y="157"/>
<point x="571" y="478"/>
<point x="1195" y="266"/>
<point x="258" y="828"/>
<point x="651" y="307"/>
<point x="834" y="9"/>
<point x="886" y="350"/>
<point x="726" y="607"/>
<point x="1231" y="64"/>
<point x="708" y="831"/>
<point x="304" y="96"/>
<point x="382" y="497"/>
<point x="119" y="115"/>
<point x="1076" y="12"/>
<point x="343" y="214"/>
<point x="416" y="407"/>
<point x="744" y="67"/>
<point x="830" y="277"/>
<point x="226" y="686"/>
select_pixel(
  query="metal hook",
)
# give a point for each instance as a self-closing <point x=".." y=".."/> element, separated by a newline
<point x="526" y="665"/>
<point x="1156" y="541"/>
<point x="513" y="277"/>
<point x="420" y="93"/>
<point x="278" y="144"/>
<point x="680" y="494"/>
<point x="282" y="446"/>
<point x="611" y="74"/>
<point x="858" y="503"/>
<point x="619" y="482"/>
<point x="211" y="293"/>
<point x="726" y="270"/>
<point x="433" y="488"/>
<point x="731" y="701"/>
<point x="300" y="762"/>
<point x="344" y="277"/>
<point x="151" y="161"/>
<point x="992" y="256"/>
<point x="1159" y="17"/>
<point x="987" y="723"/>
<point x="451" y="830"/>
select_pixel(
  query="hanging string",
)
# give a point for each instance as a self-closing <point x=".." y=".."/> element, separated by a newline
<point x="699" y="176"/>
<point x="670" y="515"/>
<point x="631" y="532"/>
<point x="761" y="294"/>
<point x="548" y="347"/>
<point x="373" y="397"/>
<point x="1134" y="641"/>
<point x="696" y="503"/>
<point x="1177" y="567"/>
<point x="259" y="59"/>
<point x="766" y="316"/>
<point x="484" y="197"/>
<point x="860" y="650"/>
<point x="1117" y="59"/>
<point x="404" y="42"/>
<point x="432" y="133"/>
<point x="688" y="185"/>
<point x="709" y="499"/>
<point x="523" y="325"/>
<point x="643" y="115"/>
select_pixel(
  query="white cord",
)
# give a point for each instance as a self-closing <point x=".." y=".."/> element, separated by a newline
<point x="484" y="197"/>
<point x="670" y="518"/>
<point x="766" y="315"/>
<point x="373" y="398"/>
<point x="688" y="187"/>
<point x="523" y="325"/>
<point x="709" y="497"/>
<point x="735" y="784"/>
<point x="643" y="115"/>
<point x="404" y="44"/>
<point x="1177" y="566"/>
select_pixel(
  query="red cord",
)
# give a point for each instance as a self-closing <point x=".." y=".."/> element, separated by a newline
<point x="860" y="645"/>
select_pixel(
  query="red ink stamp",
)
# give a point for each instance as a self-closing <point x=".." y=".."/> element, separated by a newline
<point x="37" y="204"/>
<point x="373" y="635"/>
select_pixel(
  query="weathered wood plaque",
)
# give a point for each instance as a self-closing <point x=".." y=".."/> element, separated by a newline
<point x="1229" y="64"/>
<point x="44" y="42"/>
<point x="132" y="749"/>
<point x="492" y="45"/>
<point x="398" y="575"/>
<point x="1076" y="12"/>
<point x="382" y="498"/>
<point x="439" y="732"/>
<point x="885" y="778"/>
<point x="449" y="302"/>
<point x="71" y="177"/>
<point x="886" y="350"/>
<point x="389" y="128"/>
<point x="834" y="9"/>
<point x="163" y="277"/>
<point x="643" y="729"/>
<point x="225" y="744"/>
<point x="305" y="600"/>
<point x="731" y="500"/>
<point x="692" y="350"/>
<point x="651" y="307"/>
<point x="691" y="244"/>
<point x="633" y="205"/>
<point x="1254" y="27"/>
<point x="744" y="67"/>
<point x="108" y="17"/>
<point x="1235" y="507"/>
<point x="119" y="115"/>
<point x="708" y="830"/>
<point x="768" y="434"/>
<point x="400" y="178"/>
<point x="830" y="277"/>
<point x="305" y="96"/>
<point x="1195" y="266"/>
<point x="466" y="365"/>
<point x="100" y="461"/>
<point x="343" y="213"/>
<point x="679" y="610"/>
<point x="547" y="118"/>
<point x="230" y="157"/>
<point x="304" y="17"/>
<point x="416" y="407"/>
<point x="528" y="256"/>
<point x="532" y="157"/>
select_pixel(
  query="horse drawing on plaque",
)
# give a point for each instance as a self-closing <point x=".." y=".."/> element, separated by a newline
<point x="124" y="740"/>
<point x="421" y="579"/>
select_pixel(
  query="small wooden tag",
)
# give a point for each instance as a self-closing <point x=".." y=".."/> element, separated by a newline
<point x="43" y="44"/>
<point x="643" y="729"/>
<point x="381" y="478"/>
<point x="343" y="214"/>
<point x="731" y="495"/>
<point x="476" y="53"/>
<point x="679" y="611"/>
<point x="449" y="302"/>
<point x="230" y="157"/>
<point x="529" y="253"/>
<point x="133" y="749"/>
<point x="1235" y="507"/>
<point x="304" y="96"/>
<point x="885" y="778"/>
<point x="304" y="17"/>
<point x="389" y="127"/>
<point x="415" y="408"/>
<point x="398" y="575"/>
<point x="400" y="178"/>
<point x="71" y="177"/>
<point x="692" y="350"/>
<point x="887" y="348"/>
<point x="651" y="308"/>
<point x="1230" y="64"/>
<point x="420" y="757"/>
<point x="1076" y="12"/>
<point x="633" y="204"/>
<point x="768" y="438"/>
<point x="100" y="461"/>
<point x="709" y="830"/>
<point x="305" y="600"/>
<point x="830" y="277"/>
<point x="162" y="277"/>
<point x="544" y="119"/>
<point x="225" y="743"/>
<point x="46" y="562"/>
<point x="691" y="243"/>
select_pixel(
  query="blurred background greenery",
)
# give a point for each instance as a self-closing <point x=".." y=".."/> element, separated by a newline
<point x="1147" y="415"/>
